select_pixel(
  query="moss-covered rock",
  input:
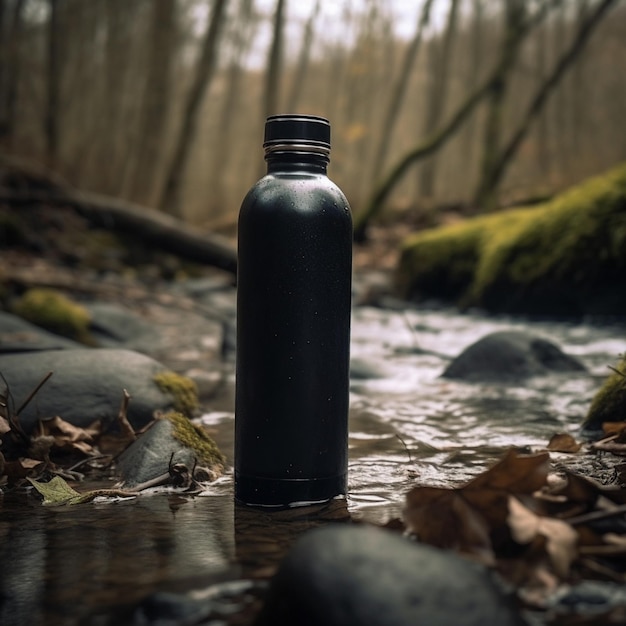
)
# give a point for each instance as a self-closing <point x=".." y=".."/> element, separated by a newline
<point x="55" y="312"/>
<point x="171" y="439"/>
<point x="195" y="438"/>
<point x="609" y="404"/>
<point x="566" y="257"/>
<point x="183" y="390"/>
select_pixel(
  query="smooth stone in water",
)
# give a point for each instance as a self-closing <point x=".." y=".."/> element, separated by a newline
<point x="152" y="453"/>
<point x="18" y="335"/>
<point x="507" y="356"/>
<point x="340" y="575"/>
<point x="87" y="384"/>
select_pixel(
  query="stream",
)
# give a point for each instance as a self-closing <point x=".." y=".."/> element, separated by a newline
<point x="92" y="563"/>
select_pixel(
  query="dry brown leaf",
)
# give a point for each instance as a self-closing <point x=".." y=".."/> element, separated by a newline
<point x="515" y="473"/>
<point x="5" y="427"/>
<point x="67" y="436"/>
<point x="465" y="518"/>
<point x="21" y="468"/>
<point x="614" y="428"/>
<point x="563" y="442"/>
<point x="561" y="538"/>
<point x="443" y="518"/>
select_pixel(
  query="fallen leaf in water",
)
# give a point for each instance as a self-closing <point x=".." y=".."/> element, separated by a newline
<point x="57" y="492"/>
<point x="563" y="442"/>
<point x="515" y="473"/>
<point x="467" y="518"/>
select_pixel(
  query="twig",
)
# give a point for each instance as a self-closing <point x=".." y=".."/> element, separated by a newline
<point x="33" y="393"/>
<point x="122" y="417"/>
<point x="595" y="516"/>
<point x="405" y="447"/>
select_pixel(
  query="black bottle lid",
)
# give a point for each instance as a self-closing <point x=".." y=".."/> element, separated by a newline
<point x="290" y="129"/>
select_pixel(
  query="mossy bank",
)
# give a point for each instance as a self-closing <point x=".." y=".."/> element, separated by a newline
<point x="609" y="403"/>
<point x="564" y="257"/>
<point x="55" y="312"/>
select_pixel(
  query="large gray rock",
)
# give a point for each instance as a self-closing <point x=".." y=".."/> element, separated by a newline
<point x="509" y="356"/>
<point x="87" y="384"/>
<point x="341" y="575"/>
<point x="115" y="326"/>
<point x="18" y="335"/>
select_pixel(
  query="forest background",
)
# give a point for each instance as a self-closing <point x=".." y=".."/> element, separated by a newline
<point x="435" y="103"/>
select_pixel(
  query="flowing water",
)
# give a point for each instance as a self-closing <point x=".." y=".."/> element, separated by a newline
<point x="92" y="563"/>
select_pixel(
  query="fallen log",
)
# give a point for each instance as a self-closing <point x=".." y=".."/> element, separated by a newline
<point x="151" y="226"/>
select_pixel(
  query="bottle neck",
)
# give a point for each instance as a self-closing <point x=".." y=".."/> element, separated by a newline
<point x="297" y="158"/>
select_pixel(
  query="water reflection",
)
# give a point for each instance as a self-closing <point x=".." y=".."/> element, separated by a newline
<point x="92" y="563"/>
<point x="63" y="564"/>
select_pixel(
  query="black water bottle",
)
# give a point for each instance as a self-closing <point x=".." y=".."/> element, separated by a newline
<point x="293" y="323"/>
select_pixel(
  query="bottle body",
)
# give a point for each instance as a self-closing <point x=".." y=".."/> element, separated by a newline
<point x="293" y="338"/>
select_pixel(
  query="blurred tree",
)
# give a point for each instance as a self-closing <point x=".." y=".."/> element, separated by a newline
<point x="155" y="101"/>
<point x="304" y="59"/>
<point x="171" y="198"/>
<point x="488" y="188"/>
<point x="53" y="84"/>
<point x="400" y="89"/>
<point x="11" y="24"/>
<point x="241" y="32"/>
<point x="496" y="163"/>
<point x="274" y="62"/>
<point x="517" y="25"/>
<point x="440" y="53"/>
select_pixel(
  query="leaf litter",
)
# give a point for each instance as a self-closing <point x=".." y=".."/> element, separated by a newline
<point x="52" y="454"/>
<point x="557" y="538"/>
<point x="546" y="530"/>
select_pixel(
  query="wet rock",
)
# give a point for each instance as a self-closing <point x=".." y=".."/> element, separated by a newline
<point x="510" y="356"/>
<point x="18" y="335"/>
<point x="563" y="257"/>
<point x="87" y="384"/>
<point x="609" y="403"/>
<point x="364" y="369"/>
<point x="170" y="440"/>
<point x="367" y="577"/>
<point x="114" y="326"/>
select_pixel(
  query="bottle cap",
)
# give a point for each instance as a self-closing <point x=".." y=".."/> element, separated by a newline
<point x="303" y="130"/>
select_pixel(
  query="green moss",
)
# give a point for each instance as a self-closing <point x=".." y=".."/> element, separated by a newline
<point x="563" y="256"/>
<point x="55" y="312"/>
<point x="196" y="438"/>
<point x="609" y="404"/>
<point x="182" y="389"/>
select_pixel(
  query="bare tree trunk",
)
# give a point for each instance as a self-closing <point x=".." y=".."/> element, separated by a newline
<point x="155" y="99"/>
<point x="507" y="154"/>
<point x="10" y="63"/>
<point x="304" y="58"/>
<point x="274" y="62"/>
<point x="515" y="27"/>
<point x="576" y="87"/>
<point x="544" y="162"/>
<point x="400" y="89"/>
<point x="476" y="62"/>
<point x="438" y="99"/>
<point x="441" y="137"/>
<point x="53" y="82"/>
<point x="242" y="31"/>
<point x="171" y="199"/>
